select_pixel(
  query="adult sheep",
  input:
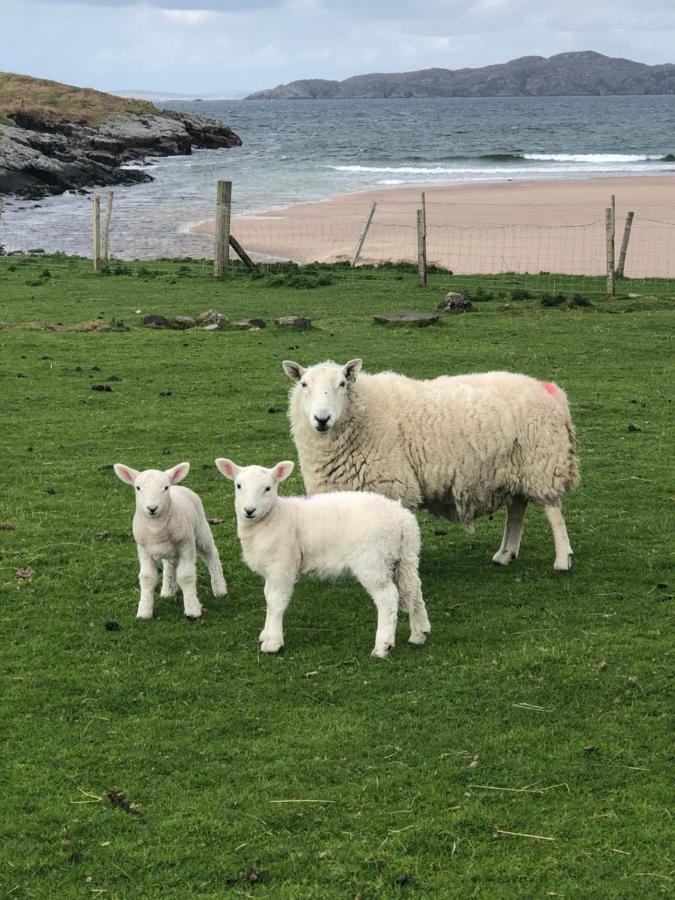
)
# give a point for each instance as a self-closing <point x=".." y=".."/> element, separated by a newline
<point x="461" y="446"/>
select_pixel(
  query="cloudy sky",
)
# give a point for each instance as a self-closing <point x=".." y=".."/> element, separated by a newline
<point x="229" y="46"/>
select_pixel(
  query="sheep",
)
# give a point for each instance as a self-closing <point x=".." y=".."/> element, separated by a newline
<point x="170" y="525"/>
<point x="325" y="536"/>
<point x="461" y="446"/>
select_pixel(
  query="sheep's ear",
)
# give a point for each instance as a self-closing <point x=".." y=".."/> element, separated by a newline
<point x="352" y="369"/>
<point x="125" y="473"/>
<point x="227" y="468"/>
<point x="294" y="370"/>
<point x="178" y="472"/>
<point x="282" y="470"/>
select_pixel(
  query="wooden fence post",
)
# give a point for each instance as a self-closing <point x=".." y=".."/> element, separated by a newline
<point x="221" y="255"/>
<point x="364" y="231"/>
<point x="421" y="249"/>
<point x="624" y="245"/>
<point x="610" y="250"/>
<point x="96" y="233"/>
<point x="105" y="235"/>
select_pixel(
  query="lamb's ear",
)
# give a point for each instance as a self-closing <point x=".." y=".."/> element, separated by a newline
<point x="294" y="370"/>
<point x="227" y="468"/>
<point x="352" y="369"/>
<point x="282" y="470"/>
<point x="178" y="472"/>
<point x="125" y="474"/>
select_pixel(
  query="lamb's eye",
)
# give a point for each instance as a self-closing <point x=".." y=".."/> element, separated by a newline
<point x="238" y="486"/>
<point x="166" y="488"/>
<point x="267" y="489"/>
<point x="303" y="384"/>
<point x="137" y="488"/>
<point x="343" y="383"/>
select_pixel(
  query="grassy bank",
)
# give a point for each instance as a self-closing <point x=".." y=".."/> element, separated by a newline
<point x="524" y="751"/>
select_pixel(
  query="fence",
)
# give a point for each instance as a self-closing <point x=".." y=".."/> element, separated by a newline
<point x="627" y="248"/>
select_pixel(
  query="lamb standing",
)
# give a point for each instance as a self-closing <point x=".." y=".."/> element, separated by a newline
<point x="462" y="446"/>
<point x="326" y="536"/>
<point x="170" y="525"/>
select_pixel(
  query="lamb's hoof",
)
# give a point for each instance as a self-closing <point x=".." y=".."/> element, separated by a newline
<point x="565" y="565"/>
<point x="193" y="613"/>
<point x="167" y="594"/>
<point x="220" y="591"/>
<point x="418" y="638"/>
<point x="144" y="614"/>
<point x="271" y="646"/>
<point x="381" y="652"/>
<point x="503" y="557"/>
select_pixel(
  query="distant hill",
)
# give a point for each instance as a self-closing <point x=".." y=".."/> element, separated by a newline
<point x="585" y="73"/>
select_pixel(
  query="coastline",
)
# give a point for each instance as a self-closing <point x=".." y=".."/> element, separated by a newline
<point x="555" y="225"/>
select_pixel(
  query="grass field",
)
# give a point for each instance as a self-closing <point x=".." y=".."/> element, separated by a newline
<point x="525" y="751"/>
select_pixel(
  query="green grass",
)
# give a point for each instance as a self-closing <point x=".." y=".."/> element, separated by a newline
<point x="203" y="734"/>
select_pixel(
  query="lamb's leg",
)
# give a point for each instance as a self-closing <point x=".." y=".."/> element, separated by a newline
<point x="278" y="596"/>
<point x="563" y="549"/>
<point x="411" y="601"/>
<point x="513" y="529"/>
<point x="186" y="575"/>
<point x="384" y="592"/>
<point x="209" y="553"/>
<point x="169" y="584"/>
<point x="147" y="578"/>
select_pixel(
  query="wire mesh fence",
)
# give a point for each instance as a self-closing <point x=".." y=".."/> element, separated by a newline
<point x="494" y="241"/>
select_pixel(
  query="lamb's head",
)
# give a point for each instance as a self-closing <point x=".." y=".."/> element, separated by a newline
<point x="322" y="390"/>
<point x="153" y="497"/>
<point x="255" y="491"/>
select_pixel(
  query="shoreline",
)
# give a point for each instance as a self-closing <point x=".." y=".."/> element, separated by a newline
<point x="555" y="225"/>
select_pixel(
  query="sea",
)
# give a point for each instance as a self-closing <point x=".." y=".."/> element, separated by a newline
<point x="310" y="150"/>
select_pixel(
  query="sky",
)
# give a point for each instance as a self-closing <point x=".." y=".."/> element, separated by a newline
<point x="229" y="47"/>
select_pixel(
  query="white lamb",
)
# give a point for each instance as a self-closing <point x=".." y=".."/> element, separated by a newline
<point x="461" y="446"/>
<point x="326" y="536"/>
<point x="170" y="525"/>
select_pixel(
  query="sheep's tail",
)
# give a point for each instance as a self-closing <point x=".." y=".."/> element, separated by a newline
<point x="408" y="579"/>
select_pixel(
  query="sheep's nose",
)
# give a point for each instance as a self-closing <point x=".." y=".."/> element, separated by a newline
<point x="322" y="423"/>
<point x="152" y="509"/>
<point x="249" y="510"/>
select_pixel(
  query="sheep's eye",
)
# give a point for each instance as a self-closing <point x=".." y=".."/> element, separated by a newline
<point x="137" y="488"/>
<point x="166" y="488"/>
<point x="238" y="486"/>
<point x="343" y="383"/>
<point x="267" y="489"/>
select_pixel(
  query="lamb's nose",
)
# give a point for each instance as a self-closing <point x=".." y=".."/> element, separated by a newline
<point x="152" y="510"/>
<point x="249" y="510"/>
<point x="322" y="423"/>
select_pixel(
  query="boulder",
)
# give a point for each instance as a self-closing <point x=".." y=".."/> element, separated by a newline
<point x="185" y="321"/>
<point x="293" y="322"/>
<point x="154" y="320"/>
<point x="213" y="317"/>
<point x="249" y="324"/>
<point x="418" y="319"/>
<point x="454" y="302"/>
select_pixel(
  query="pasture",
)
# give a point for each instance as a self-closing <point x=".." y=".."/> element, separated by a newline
<point x="524" y="751"/>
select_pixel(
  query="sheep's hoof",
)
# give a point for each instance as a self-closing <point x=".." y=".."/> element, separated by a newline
<point x="194" y="613"/>
<point x="271" y="646"/>
<point x="382" y="652"/>
<point x="168" y="593"/>
<point x="220" y="591"/>
<point x="418" y="638"/>
<point x="566" y="565"/>
<point x="503" y="557"/>
<point x="144" y="614"/>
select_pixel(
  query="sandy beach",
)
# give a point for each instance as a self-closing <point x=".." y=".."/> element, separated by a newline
<point x="550" y="226"/>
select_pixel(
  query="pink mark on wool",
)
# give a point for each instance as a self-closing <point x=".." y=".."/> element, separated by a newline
<point x="550" y="388"/>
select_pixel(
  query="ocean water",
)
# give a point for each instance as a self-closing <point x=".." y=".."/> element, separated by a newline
<point x="297" y="151"/>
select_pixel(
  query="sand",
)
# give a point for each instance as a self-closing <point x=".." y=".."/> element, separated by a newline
<point x="550" y="226"/>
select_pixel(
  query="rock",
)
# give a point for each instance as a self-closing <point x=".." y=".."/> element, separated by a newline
<point x="213" y="327"/>
<point x="185" y="321"/>
<point x="213" y="317"/>
<point x="25" y="573"/>
<point x="454" y="302"/>
<point x="294" y="322"/>
<point x="407" y="318"/>
<point x="103" y="388"/>
<point x="6" y="526"/>
<point x="156" y="321"/>
<point x="249" y="324"/>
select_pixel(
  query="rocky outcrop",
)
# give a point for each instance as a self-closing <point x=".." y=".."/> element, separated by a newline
<point x="39" y="157"/>
<point x="585" y="73"/>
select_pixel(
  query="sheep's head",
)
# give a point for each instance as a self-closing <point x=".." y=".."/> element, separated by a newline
<point x="255" y="488"/>
<point x="153" y="497"/>
<point x="322" y="390"/>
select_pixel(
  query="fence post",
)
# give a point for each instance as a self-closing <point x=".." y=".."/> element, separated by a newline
<point x="624" y="245"/>
<point x="421" y="249"/>
<point x="105" y="235"/>
<point x="610" y="251"/>
<point x="96" y="233"/>
<point x="364" y="231"/>
<point x="221" y="255"/>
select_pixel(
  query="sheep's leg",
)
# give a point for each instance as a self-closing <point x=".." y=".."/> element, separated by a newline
<point x="186" y="575"/>
<point x="278" y="596"/>
<point x="513" y="529"/>
<point x="384" y="592"/>
<point x="209" y="554"/>
<point x="147" y="578"/>
<point x="169" y="584"/>
<point x="563" y="548"/>
<point x="411" y="601"/>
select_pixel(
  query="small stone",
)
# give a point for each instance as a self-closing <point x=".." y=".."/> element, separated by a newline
<point x="253" y="876"/>
<point x="402" y="879"/>
<point x="407" y="318"/>
<point x="185" y="321"/>
<point x="105" y="388"/>
<point x="25" y="572"/>
<point x="6" y="526"/>
<point x="112" y="626"/>
<point x="632" y="427"/>
<point x="293" y="322"/>
<point x="212" y="317"/>
<point x="154" y="320"/>
<point x="454" y="302"/>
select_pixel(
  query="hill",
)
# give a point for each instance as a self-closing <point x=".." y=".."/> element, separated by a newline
<point x="56" y="137"/>
<point x="566" y="74"/>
